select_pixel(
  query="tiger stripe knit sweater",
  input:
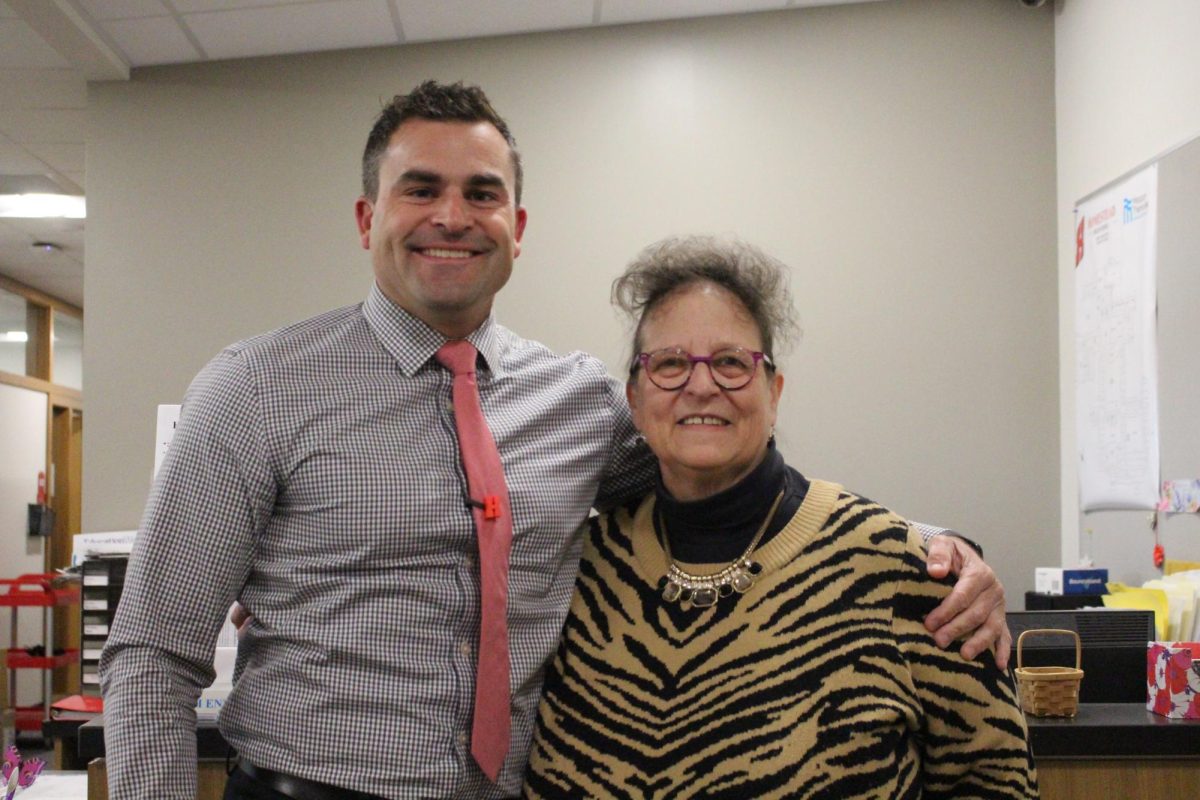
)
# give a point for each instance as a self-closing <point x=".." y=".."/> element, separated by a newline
<point x="819" y="682"/>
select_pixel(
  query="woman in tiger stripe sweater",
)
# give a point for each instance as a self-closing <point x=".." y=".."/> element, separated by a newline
<point x="744" y="632"/>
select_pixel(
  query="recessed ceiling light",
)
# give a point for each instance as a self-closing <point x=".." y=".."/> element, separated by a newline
<point x="31" y="206"/>
<point x="47" y="247"/>
<point x="15" y="336"/>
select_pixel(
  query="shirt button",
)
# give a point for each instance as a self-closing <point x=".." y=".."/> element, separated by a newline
<point x="462" y="739"/>
<point x="469" y="562"/>
<point x="465" y="649"/>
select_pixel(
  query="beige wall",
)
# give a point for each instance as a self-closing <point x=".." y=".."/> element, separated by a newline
<point x="899" y="155"/>
<point x="1128" y="89"/>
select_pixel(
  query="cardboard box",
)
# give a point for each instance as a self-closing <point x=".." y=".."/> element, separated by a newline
<point x="1056" y="580"/>
<point x="1173" y="679"/>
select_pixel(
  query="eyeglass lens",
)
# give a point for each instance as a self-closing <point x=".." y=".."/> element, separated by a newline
<point x="731" y="368"/>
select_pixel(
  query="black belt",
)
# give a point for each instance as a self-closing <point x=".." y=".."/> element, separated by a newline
<point x="301" y="788"/>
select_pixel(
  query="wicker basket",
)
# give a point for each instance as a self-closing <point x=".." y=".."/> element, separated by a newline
<point x="1049" y="691"/>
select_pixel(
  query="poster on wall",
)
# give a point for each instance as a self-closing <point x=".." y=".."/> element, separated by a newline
<point x="1116" y="373"/>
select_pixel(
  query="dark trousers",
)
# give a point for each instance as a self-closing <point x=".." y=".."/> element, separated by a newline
<point x="241" y="786"/>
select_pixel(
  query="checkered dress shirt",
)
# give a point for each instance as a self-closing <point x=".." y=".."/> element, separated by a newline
<point x="315" y="475"/>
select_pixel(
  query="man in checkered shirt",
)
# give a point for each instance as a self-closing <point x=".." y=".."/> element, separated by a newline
<point x="315" y="477"/>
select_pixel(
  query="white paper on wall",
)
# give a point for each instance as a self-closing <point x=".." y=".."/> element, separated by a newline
<point x="168" y="418"/>
<point x="1115" y="350"/>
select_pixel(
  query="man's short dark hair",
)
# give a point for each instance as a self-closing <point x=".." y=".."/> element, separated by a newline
<point x="440" y="102"/>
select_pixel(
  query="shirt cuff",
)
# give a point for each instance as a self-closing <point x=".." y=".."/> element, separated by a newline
<point x="929" y="531"/>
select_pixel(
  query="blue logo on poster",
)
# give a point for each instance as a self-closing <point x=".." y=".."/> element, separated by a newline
<point x="1134" y="208"/>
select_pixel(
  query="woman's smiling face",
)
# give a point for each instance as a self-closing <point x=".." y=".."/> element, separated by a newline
<point x="706" y="438"/>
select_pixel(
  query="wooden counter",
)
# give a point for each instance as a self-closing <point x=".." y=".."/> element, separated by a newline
<point x="1117" y="750"/>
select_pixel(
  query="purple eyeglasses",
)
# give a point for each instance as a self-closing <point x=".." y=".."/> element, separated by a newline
<point x="671" y="368"/>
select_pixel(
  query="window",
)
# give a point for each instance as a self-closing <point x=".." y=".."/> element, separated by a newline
<point x="14" y="333"/>
<point x="41" y="338"/>
<point x="67" y="348"/>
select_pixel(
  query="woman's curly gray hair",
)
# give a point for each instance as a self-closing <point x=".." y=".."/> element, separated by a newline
<point x="668" y="266"/>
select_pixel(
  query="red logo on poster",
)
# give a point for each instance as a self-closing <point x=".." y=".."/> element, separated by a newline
<point x="1079" y="242"/>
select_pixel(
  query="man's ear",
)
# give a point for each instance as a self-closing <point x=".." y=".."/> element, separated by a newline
<point x="364" y="213"/>
<point x="519" y="230"/>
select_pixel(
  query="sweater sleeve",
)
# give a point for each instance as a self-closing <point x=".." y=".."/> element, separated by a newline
<point x="974" y="741"/>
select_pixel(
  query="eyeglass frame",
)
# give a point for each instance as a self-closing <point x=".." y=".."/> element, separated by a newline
<point x="642" y="361"/>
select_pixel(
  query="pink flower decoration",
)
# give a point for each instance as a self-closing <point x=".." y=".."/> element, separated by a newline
<point x="12" y="759"/>
<point x="18" y="775"/>
<point x="30" y="771"/>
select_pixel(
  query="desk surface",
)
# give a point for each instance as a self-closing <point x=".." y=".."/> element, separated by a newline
<point x="58" y="786"/>
<point x="1114" y="730"/>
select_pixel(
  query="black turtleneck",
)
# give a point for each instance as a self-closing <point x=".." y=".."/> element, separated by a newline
<point x="717" y="529"/>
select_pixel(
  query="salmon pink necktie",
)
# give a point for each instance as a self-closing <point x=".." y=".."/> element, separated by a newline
<point x="488" y="497"/>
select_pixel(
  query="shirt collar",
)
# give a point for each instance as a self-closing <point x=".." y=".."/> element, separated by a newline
<point x="413" y="343"/>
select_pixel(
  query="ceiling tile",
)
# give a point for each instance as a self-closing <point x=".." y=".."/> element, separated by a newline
<point x="16" y="160"/>
<point x="799" y="3"/>
<point x="68" y="287"/>
<point x="464" y="19"/>
<point x="194" y="6"/>
<point x="61" y="280"/>
<point x="302" y="28"/>
<point x="21" y="47"/>
<point x="42" y="88"/>
<point x="45" y="125"/>
<point x="37" y="183"/>
<point x="152" y="40"/>
<point x="620" y="11"/>
<point x="44" y="180"/>
<point x="62" y="157"/>
<point x="68" y="233"/>
<point x="59" y="274"/>
<point x="124" y="9"/>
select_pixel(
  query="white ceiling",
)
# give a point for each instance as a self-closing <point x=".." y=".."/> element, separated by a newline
<point x="49" y="49"/>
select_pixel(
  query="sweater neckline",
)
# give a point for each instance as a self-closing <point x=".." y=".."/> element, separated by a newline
<point x="801" y="529"/>
<point x="717" y="528"/>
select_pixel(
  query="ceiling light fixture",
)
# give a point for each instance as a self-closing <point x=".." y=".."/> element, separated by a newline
<point x="47" y="247"/>
<point x="15" y="336"/>
<point x="30" y="206"/>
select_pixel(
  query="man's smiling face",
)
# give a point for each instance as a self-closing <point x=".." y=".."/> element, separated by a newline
<point x="444" y="228"/>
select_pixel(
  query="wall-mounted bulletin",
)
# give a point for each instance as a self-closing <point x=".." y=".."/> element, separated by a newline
<point x="1115" y="348"/>
<point x="1137" y="335"/>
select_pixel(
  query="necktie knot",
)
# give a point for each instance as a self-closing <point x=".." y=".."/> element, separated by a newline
<point x="458" y="356"/>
